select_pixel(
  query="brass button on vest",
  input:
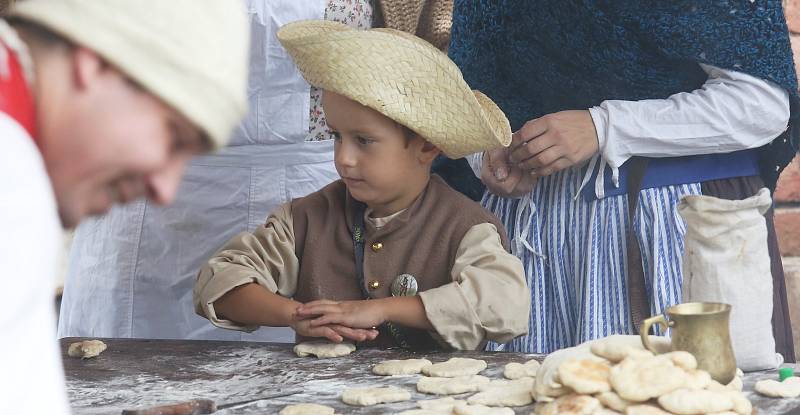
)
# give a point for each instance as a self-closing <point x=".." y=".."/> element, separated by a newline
<point x="377" y="246"/>
<point x="374" y="284"/>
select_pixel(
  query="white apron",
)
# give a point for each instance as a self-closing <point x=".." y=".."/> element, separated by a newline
<point x="132" y="271"/>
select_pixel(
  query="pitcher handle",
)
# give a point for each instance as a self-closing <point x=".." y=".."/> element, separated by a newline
<point x="644" y="330"/>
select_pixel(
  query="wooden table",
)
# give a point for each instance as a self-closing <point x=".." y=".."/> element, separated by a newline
<point x="142" y="373"/>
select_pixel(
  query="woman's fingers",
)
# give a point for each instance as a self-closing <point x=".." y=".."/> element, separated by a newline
<point x="542" y="159"/>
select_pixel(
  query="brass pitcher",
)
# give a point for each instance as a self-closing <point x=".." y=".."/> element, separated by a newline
<point x="701" y="329"/>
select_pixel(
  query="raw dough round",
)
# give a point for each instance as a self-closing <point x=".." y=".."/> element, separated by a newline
<point x="86" y="349"/>
<point x="616" y="349"/>
<point x="324" y="350"/>
<point x="452" y="386"/>
<point x="697" y="379"/>
<point x="441" y="404"/>
<point x="613" y="401"/>
<point x="374" y="396"/>
<point x="457" y="366"/>
<point x="400" y="367"/>
<point x="645" y="410"/>
<point x="307" y="409"/>
<point x="463" y="409"/>
<point x="524" y="383"/>
<point x="683" y="360"/>
<point x="503" y="396"/>
<point x="548" y="385"/>
<point x="585" y="376"/>
<point x="735" y="385"/>
<point x="789" y="388"/>
<point x="741" y="404"/>
<point x="519" y="370"/>
<point x="639" y="379"/>
<point x="690" y="402"/>
<point x="572" y="405"/>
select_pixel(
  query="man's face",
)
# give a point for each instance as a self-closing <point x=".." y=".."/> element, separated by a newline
<point x="113" y="142"/>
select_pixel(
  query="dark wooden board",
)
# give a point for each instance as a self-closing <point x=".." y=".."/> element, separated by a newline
<point x="141" y="373"/>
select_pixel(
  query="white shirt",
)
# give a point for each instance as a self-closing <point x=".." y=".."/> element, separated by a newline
<point x="32" y="380"/>
<point x="731" y="111"/>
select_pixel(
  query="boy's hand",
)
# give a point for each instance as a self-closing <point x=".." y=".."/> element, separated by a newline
<point x="363" y="314"/>
<point x="334" y="332"/>
<point x="503" y="178"/>
<point x="358" y="335"/>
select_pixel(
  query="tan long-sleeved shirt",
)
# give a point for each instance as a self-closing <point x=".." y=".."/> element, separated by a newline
<point x="487" y="298"/>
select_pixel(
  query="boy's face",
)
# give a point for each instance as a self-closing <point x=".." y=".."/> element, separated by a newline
<point x="379" y="164"/>
<point x="113" y="143"/>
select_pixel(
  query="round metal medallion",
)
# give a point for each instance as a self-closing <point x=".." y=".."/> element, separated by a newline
<point x="404" y="285"/>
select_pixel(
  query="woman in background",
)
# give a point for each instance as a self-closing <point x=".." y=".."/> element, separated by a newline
<point x="622" y="108"/>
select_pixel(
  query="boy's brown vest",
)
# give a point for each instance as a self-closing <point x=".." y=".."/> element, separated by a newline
<point x="421" y="241"/>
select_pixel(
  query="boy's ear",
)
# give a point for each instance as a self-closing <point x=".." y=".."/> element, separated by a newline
<point x="428" y="152"/>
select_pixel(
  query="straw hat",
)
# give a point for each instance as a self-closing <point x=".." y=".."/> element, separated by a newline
<point x="402" y="77"/>
<point x="191" y="54"/>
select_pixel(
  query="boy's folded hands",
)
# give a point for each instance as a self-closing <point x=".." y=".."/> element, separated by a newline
<point x="333" y="332"/>
<point x="357" y="320"/>
<point x="336" y="321"/>
<point x="363" y="314"/>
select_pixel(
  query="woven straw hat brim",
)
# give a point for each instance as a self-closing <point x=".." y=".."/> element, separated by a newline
<point x="402" y="77"/>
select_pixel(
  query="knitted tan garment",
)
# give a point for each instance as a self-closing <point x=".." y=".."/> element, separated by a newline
<point x="428" y="19"/>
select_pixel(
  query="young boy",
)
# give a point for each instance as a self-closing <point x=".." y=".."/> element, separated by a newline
<point x="387" y="253"/>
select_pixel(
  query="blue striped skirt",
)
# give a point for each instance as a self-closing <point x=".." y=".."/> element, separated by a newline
<point x="574" y="253"/>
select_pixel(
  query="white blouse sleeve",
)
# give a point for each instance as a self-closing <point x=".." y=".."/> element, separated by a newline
<point x="475" y="161"/>
<point x="731" y="111"/>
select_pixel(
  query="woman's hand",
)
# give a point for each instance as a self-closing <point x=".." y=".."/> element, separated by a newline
<point x="554" y="142"/>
